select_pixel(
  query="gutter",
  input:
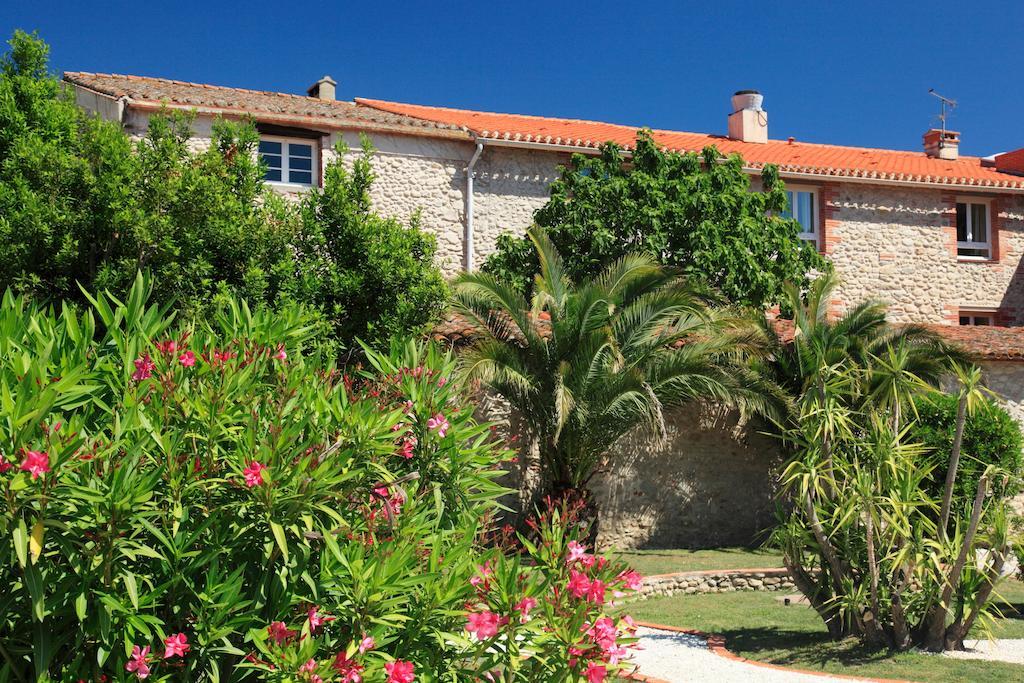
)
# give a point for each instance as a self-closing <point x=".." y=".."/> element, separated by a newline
<point x="470" y="176"/>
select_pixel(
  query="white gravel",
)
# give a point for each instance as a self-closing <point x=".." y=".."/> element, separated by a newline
<point x="999" y="650"/>
<point x="678" y="657"/>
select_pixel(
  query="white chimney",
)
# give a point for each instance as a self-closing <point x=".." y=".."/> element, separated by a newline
<point x="748" y="121"/>
<point x="323" y="89"/>
<point x="942" y="144"/>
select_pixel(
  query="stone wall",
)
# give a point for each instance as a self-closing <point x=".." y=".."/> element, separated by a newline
<point x="715" y="581"/>
<point x="898" y="245"/>
<point x="709" y="484"/>
<point x="1006" y="378"/>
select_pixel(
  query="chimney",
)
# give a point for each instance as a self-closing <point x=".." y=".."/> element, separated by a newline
<point x="323" y="89"/>
<point x="942" y="144"/>
<point x="1010" y="162"/>
<point x="748" y="121"/>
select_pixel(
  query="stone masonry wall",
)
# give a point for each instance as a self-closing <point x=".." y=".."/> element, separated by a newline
<point x="1006" y="378"/>
<point x="899" y="245"/>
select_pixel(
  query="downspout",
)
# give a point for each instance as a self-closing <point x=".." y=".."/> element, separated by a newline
<point x="470" y="175"/>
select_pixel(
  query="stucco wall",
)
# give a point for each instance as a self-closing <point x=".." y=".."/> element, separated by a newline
<point x="429" y="176"/>
<point x="895" y="245"/>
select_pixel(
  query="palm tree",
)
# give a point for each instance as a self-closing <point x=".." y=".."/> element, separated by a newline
<point x="586" y="363"/>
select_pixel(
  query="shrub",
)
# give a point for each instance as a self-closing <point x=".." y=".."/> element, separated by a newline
<point x="81" y="204"/>
<point x="694" y="212"/>
<point x="210" y="501"/>
<point x="991" y="437"/>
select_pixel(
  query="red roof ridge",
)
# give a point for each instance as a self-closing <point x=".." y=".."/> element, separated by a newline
<point x="384" y="104"/>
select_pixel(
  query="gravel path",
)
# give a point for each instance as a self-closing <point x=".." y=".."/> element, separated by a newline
<point x="678" y="657"/>
<point x="1000" y="650"/>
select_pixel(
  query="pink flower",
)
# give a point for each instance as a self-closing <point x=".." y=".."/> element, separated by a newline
<point x="315" y="620"/>
<point x="483" y="624"/>
<point x="278" y="632"/>
<point x="595" y="673"/>
<point x="576" y="552"/>
<point x="175" y="646"/>
<point x="138" y="664"/>
<point x="143" y="368"/>
<point x="308" y="667"/>
<point x="400" y="672"/>
<point x="4" y="466"/>
<point x="168" y="347"/>
<point x="524" y="606"/>
<point x="441" y="382"/>
<point x="604" y="633"/>
<point x="187" y="359"/>
<point x="36" y="462"/>
<point x="348" y="669"/>
<point x="254" y="474"/>
<point x="596" y="592"/>
<point x="579" y="584"/>
<point x="281" y="353"/>
<point x="406" y="450"/>
<point x="632" y="579"/>
<point x="367" y="643"/>
<point x="440" y="423"/>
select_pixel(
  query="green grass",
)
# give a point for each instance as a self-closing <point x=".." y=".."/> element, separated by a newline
<point x="757" y="626"/>
<point x="649" y="562"/>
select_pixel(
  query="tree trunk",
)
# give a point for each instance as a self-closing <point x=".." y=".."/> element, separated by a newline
<point x="954" y="463"/>
<point x="935" y="627"/>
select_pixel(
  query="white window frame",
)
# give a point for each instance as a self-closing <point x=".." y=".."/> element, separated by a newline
<point x="815" y="236"/>
<point x="314" y="171"/>
<point x="974" y="314"/>
<point x="985" y="246"/>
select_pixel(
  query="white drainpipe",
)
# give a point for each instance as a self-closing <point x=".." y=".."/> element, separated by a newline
<point x="470" y="175"/>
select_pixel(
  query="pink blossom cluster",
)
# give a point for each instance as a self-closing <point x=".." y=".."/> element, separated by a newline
<point x="175" y="350"/>
<point x="140" y="662"/>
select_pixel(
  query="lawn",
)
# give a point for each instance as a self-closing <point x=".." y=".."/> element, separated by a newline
<point x="650" y="562"/>
<point x="759" y="627"/>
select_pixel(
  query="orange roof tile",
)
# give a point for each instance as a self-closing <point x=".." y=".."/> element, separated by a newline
<point x="262" y="105"/>
<point x="988" y="343"/>
<point x="884" y="165"/>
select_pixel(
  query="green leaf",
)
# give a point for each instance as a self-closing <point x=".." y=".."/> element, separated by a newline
<point x="132" y="587"/>
<point x="21" y="542"/>
<point x="279" y="536"/>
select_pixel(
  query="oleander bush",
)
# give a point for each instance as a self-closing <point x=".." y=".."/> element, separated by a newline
<point x="212" y="501"/>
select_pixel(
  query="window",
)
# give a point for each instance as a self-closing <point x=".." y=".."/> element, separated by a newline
<point x="972" y="230"/>
<point x="971" y="318"/>
<point x="803" y="207"/>
<point x="288" y="162"/>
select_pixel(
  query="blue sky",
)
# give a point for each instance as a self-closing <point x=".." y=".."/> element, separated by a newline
<point x="854" y="73"/>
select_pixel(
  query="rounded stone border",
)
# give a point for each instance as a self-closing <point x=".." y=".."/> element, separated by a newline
<point x="716" y="644"/>
<point x="715" y="581"/>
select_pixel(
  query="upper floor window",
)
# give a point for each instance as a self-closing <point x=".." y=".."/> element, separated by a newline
<point x="288" y="161"/>
<point x="973" y="236"/>
<point x="803" y="208"/>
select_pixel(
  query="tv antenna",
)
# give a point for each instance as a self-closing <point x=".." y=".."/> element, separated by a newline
<point x="944" y="102"/>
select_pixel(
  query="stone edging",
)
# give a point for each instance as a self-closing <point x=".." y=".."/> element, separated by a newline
<point x="715" y="581"/>
<point x="716" y="643"/>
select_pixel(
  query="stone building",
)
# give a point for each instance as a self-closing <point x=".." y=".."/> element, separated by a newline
<point x="937" y="235"/>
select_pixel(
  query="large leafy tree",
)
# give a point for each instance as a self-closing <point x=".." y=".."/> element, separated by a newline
<point x="584" y="363"/>
<point x="81" y="204"/>
<point x="694" y="212"/>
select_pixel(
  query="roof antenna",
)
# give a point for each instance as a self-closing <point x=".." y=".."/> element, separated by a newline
<point x="943" y="103"/>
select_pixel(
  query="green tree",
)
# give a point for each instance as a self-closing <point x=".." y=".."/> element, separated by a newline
<point x="586" y="363"/>
<point x="373" y="277"/>
<point x="689" y="211"/>
<point x="81" y="204"/>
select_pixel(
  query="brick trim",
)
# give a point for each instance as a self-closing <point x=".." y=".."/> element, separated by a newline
<point x="829" y="213"/>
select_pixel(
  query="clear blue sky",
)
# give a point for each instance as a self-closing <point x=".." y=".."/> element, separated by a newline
<point x="854" y="73"/>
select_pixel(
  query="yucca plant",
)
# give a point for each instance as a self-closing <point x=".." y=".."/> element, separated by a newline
<point x="584" y="363"/>
<point x="877" y="553"/>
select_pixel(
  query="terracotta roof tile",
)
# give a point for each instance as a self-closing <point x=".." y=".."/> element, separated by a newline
<point x="988" y="343"/>
<point x="791" y="157"/>
<point x="142" y="90"/>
